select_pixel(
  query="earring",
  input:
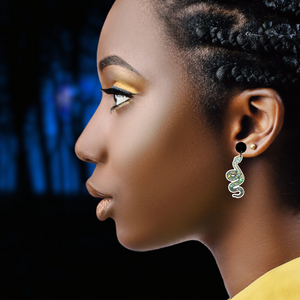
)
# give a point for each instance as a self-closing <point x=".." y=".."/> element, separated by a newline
<point x="236" y="176"/>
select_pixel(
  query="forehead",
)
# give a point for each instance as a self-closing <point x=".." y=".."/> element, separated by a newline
<point x="133" y="32"/>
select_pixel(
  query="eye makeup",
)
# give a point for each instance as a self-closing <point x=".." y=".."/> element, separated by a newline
<point x="125" y="87"/>
<point x="120" y="96"/>
<point x="123" y="79"/>
<point x="124" y="84"/>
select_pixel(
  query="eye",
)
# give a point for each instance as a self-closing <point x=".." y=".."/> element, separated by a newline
<point x="120" y="96"/>
<point x="119" y="99"/>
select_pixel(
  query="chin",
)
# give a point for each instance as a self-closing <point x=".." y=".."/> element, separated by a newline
<point x="136" y="242"/>
<point x="142" y="241"/>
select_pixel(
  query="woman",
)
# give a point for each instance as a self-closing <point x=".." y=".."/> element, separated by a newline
<point x="183" y="83"/>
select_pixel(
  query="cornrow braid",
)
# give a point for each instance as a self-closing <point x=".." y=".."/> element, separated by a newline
<point x="247" y="74"/>
<point x="281" y="41"/>
<point x="290" y="7"/>
<point x="268" y="41"/>
<point x="232" y="45"/>
<point x="270" y="38"/>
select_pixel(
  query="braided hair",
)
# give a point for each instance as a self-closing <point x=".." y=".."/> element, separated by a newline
<point x="237" y="45"/>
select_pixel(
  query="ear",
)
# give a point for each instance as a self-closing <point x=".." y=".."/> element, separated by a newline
<point x="254" y="117"/>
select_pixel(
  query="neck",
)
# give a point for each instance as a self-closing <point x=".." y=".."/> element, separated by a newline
<point x="259" y="235"/>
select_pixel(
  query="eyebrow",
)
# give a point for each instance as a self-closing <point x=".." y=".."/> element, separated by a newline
<point x="116" y="60"/>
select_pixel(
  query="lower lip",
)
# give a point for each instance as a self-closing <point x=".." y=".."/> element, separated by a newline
<point x="102" y="208"/>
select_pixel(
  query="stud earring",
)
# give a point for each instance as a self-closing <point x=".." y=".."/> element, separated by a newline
<point x="236" y="176"/>
<point x="253" y="146"/>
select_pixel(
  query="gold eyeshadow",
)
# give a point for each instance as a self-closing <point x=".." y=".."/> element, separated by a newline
<point x="125" y="87"/>
<point x="122" y="78"/>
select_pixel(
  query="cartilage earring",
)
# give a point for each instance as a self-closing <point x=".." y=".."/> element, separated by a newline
<point x="236" y="176"/>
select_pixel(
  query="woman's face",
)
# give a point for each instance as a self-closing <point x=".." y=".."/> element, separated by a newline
<point x="162" y="169"/>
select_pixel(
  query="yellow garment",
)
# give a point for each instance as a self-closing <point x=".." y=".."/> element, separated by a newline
<point x="280" y="283"/>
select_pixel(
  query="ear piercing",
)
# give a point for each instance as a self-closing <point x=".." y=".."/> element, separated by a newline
<point x="236" y="176"/>
<point x="253" y="146"/>
<point x="241" y="147"/>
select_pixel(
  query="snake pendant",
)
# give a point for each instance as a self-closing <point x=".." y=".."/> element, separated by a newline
<point x="236" y="177"/>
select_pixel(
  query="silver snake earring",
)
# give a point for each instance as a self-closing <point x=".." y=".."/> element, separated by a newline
<point x="236" y="176"/>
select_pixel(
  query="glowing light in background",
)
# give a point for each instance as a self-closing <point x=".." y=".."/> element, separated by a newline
<point x="69" y="93"/>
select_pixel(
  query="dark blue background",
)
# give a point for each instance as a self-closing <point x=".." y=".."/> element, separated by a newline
<point x="52" y="246"/>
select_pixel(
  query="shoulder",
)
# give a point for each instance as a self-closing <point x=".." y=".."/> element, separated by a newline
<point x="281" y="283"/>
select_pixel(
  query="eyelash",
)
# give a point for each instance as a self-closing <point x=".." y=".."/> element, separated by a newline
<point x="118" y="92"/>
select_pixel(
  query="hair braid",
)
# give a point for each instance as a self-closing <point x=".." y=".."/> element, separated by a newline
<point x="255" y="76"/>
<point x="270" y="39"/>
<point x="290" y="7"/>
<point x="265" y="48"/>
<point x="248" y="44"/>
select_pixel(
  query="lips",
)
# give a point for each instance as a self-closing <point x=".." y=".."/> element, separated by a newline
<point x="95" y="193"/>
<point x="102" y="210"/>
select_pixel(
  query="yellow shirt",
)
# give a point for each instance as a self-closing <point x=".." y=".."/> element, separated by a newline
<point x="280" y="283"/>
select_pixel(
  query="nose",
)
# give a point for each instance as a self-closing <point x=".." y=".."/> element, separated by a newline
<point x="91" y="145"/>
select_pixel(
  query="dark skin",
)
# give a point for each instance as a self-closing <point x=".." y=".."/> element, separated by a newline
<point x="162" y="170"/>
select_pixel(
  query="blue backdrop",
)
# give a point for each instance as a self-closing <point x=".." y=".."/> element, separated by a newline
<point x="48" y="91"/>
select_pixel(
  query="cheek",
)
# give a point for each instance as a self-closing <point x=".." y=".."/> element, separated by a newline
<point x="162" y="165"/>
<point x="171" y="205"/>
<point x="140" y="137"/>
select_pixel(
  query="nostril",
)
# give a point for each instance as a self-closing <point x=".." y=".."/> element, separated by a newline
<point x="81" y="153"/>
<point x="90" y="148"/>
<point x="88" y="160"/>
<point x="90" y="154"/>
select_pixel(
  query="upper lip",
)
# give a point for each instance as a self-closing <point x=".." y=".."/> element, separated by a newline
<point x="96" y="193"/>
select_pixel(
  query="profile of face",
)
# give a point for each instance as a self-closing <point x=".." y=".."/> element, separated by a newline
<point x="158" y="167"/>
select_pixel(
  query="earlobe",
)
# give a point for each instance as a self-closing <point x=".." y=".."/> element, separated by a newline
<point x="256" y="119"/>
